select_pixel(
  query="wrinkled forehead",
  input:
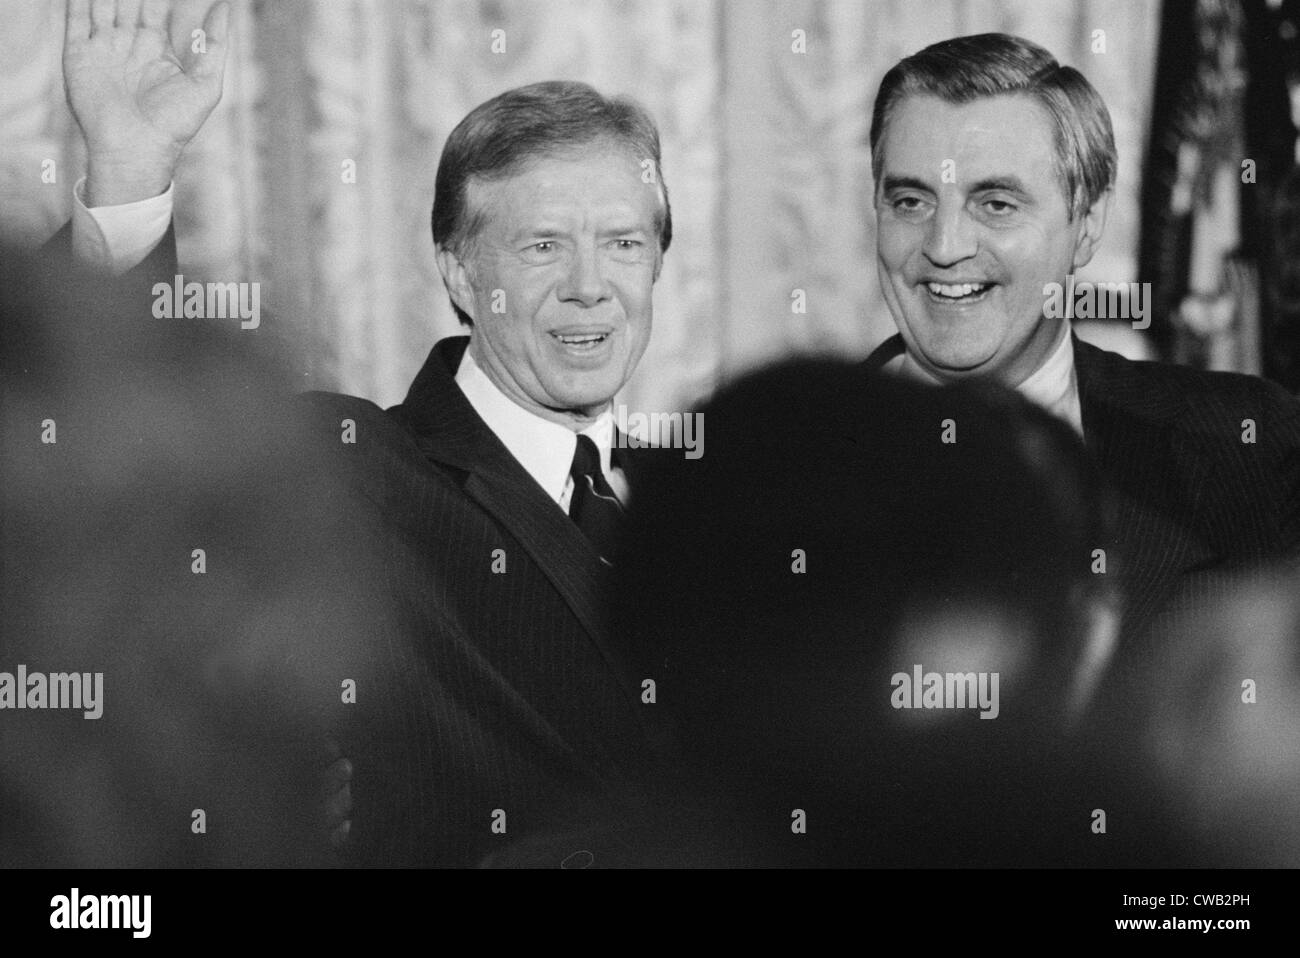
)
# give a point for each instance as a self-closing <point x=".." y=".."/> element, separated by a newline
<point x="930" y="138"/>
<point x="604" y="174"/>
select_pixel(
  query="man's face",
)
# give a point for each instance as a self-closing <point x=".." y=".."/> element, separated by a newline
<point x="973" y="222"/>
<point x="558" y="280"/>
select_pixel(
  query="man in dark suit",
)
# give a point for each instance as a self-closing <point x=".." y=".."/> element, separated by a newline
<point x="994" y="168"/>
<point x="496" y="704"/>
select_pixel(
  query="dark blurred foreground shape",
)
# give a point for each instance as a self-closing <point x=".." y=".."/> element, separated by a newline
<point x="220" y="687"/>
<point x="775" y="685"/>
<point x="223" y="690"/>
<point x="828" y="541"/>
<point x="333" y="617"/>
<point x="1203" y="734"/>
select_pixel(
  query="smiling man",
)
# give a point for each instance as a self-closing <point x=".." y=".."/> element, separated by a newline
<point x="549" y="237"/>
<point x="556" y="280"/>
<point x="492" y="703"/>
<point x="498" y="486"/>
<point x="994" y="167"/>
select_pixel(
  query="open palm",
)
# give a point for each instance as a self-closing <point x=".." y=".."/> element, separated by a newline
<point x="130" y="93"/>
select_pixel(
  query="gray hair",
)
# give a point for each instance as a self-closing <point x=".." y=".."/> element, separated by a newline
<point x="498" y="138"/>
<point x="992" y="64"/>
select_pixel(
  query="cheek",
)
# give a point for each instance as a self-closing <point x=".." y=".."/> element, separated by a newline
<point x="635" y="292"/>
<point x="1032" y="256"/>
<point x="895" y="242"/>
<point x="527" y="299"/>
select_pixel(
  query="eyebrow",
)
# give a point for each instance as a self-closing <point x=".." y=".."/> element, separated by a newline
<point x="533" y="234"/>
<point x="892" y="182"/>
<point x="1008" y="184"/>
<point x="627" y="229"/>
<point x="555" y="231"/>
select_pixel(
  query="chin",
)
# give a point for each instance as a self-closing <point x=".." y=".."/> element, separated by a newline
<point x="961" y="362"/>
<point x="587" y="398"/>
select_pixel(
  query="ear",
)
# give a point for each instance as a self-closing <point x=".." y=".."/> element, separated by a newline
<point x="1101" y="621"/>
<point x="456" y="277"/>
<point x="1094" y="224"/>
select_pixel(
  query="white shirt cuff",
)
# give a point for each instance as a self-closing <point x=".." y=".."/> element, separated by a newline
<point x="118" y="238"/>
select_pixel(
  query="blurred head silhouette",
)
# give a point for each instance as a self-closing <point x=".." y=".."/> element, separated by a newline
<point x="154" y="481"/>
<point x="1201" y="731"/>
<point x="871" y="605"/>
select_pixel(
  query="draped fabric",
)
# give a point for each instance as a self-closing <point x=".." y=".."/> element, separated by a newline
<point x="764" y="108"/>
<point x="1271" y="212"/>
<point x="1221" y="196"/>
<point x="1191" y="204"/>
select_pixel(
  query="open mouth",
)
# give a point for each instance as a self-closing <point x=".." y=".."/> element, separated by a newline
<point x="584" y="341"/>
<point x="958" y="293"/>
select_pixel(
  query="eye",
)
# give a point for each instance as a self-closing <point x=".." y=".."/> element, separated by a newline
<point x="999" y="207"/>
<point x="907" y="205"/>
<point x="628" y="249"/>
<point x="541" y="253"/>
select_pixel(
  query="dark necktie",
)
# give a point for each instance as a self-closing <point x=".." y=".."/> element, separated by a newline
<point x="594" y="507"/>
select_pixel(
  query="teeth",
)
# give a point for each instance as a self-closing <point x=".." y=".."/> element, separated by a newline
<point x="582" y="340"/>
<point x="956" y="291"/>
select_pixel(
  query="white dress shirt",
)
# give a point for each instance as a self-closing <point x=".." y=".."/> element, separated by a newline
<point x="118" y="238"/>
<point x="1053" y="386"/>
<point x="544" y="448"/>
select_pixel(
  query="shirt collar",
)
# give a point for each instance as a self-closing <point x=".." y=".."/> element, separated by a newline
<point x="544" y="448"/>
<point x="1053" y="386"/>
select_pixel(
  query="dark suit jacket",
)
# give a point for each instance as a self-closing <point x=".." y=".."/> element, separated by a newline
<point x="491" y="690"/>
<point x="492" y="707"/>
<point x="1194" y="503"/>
<point x="485" y="698"/>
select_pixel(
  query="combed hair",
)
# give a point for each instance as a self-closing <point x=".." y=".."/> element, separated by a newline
<point x="498" y="138"/>
<point x="993" y="64"/>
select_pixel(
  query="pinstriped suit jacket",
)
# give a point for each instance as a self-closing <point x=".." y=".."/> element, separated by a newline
<point x="497" y="694"/>
<point x="489" y="699"/>
<point x="1194" y="503"/>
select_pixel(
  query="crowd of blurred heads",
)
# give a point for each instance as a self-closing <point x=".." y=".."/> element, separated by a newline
<point x="773" y="685"/>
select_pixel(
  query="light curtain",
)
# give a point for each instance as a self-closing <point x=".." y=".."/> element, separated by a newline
<point x="765" y="155"/>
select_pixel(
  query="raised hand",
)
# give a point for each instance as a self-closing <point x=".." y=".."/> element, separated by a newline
<point x="137" y="102"/>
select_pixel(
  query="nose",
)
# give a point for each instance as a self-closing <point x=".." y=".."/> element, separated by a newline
<point x="951" y="237"/>
<point x="584" y="282"/>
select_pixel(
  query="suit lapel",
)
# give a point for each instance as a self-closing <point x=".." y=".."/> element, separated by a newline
<point x="885" y="353"/>
<point x="1159" y="478"/>
<point x="449" y="432"/>
<point x="1157" y="475"/>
